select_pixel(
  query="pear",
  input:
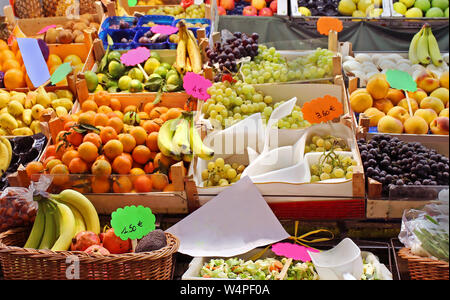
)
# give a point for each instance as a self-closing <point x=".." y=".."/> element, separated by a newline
<point x="27" y="116"/>
<point x="19" y="96"/>
<point x="37" y="111"/>
<point x="4" y="99"/>
<point x="43" y="98"/>
<point x="64" y="94"/>
<point x="52" y="95"/>
<point x="30" y="100"/>
<point x="15" y="108"/>
<point x="61" y="111"/>
<point x="7" y="121"/>
<point x="35" y="126"/>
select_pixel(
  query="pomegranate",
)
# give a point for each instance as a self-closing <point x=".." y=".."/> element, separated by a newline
<point x="84" y="240"/>
<point x="115" y="244"/>
<point x="97" y="249"/>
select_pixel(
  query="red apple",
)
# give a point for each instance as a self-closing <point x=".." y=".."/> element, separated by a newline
<point x="221" y="11"/>
<point x="273" y="6"/>
<point x="227" y="4"/>
<point x="249" y="11"/>
<point x="259" y="4"/>
<point x="265" y="12"/>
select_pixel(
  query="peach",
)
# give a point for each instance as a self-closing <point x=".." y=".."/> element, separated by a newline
<point x="443" y="80"/>
<point x="427" y="114"/>
<point x="433" y="103"/>
<point x="439" y="126"/>
<point x="374" y="115"/>
<point x="399" y="113"/>
<point x="441" y="93"/>
<point x="383" y="104"/>
<point x="404" y="104"/>
<point x="395" y="96"/>
<point x="388" y="124"/>
<point x="418" y="95"/>
<point x="444" y="113"/>
<point x="378" y="87"/>
<point x="361" y="101"/>
<point x="416" y="125"/>
<point x="427" y="81"/>
<point x="359" y="91"/>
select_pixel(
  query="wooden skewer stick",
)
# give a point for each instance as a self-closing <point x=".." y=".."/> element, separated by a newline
<point x="409" y="104"/>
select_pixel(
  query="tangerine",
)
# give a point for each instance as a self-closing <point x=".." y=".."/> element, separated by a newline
<point x="104" y="109"/>
<point x="152" y="141"/>
<point x="100" y="185"/>
<point x="102" y="98"/>
<point x="61" y="148"/>
<point x="121" y="165"/>
<point x="94" y="138"/>
<point x="136" y="172"/>
<point x="101" y="167"/>
<point x="89" y="105"/>
<point x="51" y="151"/>
<point x="88" y="151"/>
<point x="174" y="113"/>
<point x="7" y="55"/>
<point x="61" y="174"/>
<point x="148" y="108"/>
<point x="116" y="123"/>
<point x="149" y="168"/>
<point x="128" y="141"/>
<point x="51" y="163"/>
<point x="68" y="156"/>
<point x="115" y="104"/>
<point x="122" y="184"/>
<point x="3" y="45"/>
<point x="19" y="58"/>
<point x="157" y="112"/>
<point x="108" y="133"/>
<point x="112" y="149"/>
<point x="78" y="166"/>
<point x="161" y="161"/>
<point x="141" y="154"/>
<point x="74" y="138"/>
<point x="119" y="114"/>
<point x="130" y="108"/>
<point x="34" y="167"/>
<point x="101" y="119"/>
<point x="158" y="121"/>
<point x="143" y="184"/>
<point x="53" y="60"/>
<point x="87" y="118"/>
<point x="69" y="125"/>
<point x="159" y="181"/>
<point x="169" y="188"/>
<point x="150" y="126"/>
<point x="139" y="134"/>
<point x="10" y="64"/>
<point x="14" y="79"/>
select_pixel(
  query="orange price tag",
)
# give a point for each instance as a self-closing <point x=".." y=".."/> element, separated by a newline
<point x="322" y="109"/>
<point x="325" y="24"/>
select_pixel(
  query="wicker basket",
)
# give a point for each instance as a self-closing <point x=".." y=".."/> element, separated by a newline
<point x="422" y="268"/>
<point x="30" y="264"/>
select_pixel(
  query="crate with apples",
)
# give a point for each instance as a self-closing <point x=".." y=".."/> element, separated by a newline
<point x="264" y="8"/>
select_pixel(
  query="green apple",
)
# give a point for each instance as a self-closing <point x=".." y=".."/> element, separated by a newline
<point x="434" y="12"/>
<point x="442" y="4"/>
<point x="408" y="3"/>
<point x="414" y="12"/>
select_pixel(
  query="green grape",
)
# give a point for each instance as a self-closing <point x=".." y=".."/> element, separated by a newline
<point x="327" y="145"/>
<point x="223" y="182"/>
<point x="315" y="178"/>
<point x="320" y="149"/>
<point x="327" y="168"/>
<point x="320" y="142"/>
<point x="240" y="169"/>
<point x="349" y="175"/>
<point x="231" y="173"/>
<point x="307" y="149"/>
<point x="325" y="176"/>
<point x="338" y="173"/>
<point x="205" y="174"/>
<point x="211" y="166"/>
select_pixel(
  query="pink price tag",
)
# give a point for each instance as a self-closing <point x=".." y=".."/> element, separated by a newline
<point x="46" y="28"/>
<point x="164" y="29"/>
<point x="293" y="251"/>
<point x="196" y="85"/>
<point x="135" y="56"/>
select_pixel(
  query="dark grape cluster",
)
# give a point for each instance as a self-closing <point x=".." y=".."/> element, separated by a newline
<point x="239" y="46"/>
<point x="238" y="8"/>
<point x="321" y="7"/>
<point x="394" y="162"/>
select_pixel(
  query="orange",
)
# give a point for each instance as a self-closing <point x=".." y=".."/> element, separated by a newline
<point x="122" y="184"/>
<point x="81" y="185"/>
<point x="143" y="184"/>
<point x="149" y="168"/>
<point x="94" y="138"/>
<point x="169" y="188"/>
<point x="163" y="117"/>
<point x="108" y="133"/>
<point x="51" y="151"/>
<point x="89" y="105"/>
<point x="139" y="134"/>
<point x="157" y="112"/>
<point x="102" y="98"/>
<point x="104" y="109"/>
<point x="78" y="166"/>
<point x="14" y="78"/>
<point x="158" y="121"/>
<point x="101" y="167"/>
<point x="159" y="181"/>
<point x="74" y="138"/>
<point x="68" y="156"/>
<point x="100" y="185"/>
<point x="129" y="157"/>
<point x="61" y="174"/>
<point x="173" y="113"/>
<point x="116" y="123"/>
<point x="11" y="64"/>
<point x="68" y="125"/>
<point x="3" y="45"/>
<point x="61" y="147"/>
<point x="112" y="149"/>
<point x="130" y="108"/>
<point x="128" y="142"/>
<point x="101" y="119"/>
<point x="151" y="126"/>
<point x="34" y="167"/>
<point x="141" y="154"/>
<point x="162" y="161"/>
<point x="121" y="165"/>
<point x="88" y="152"/>
<point x="136" y="172"/>
<point x="149" y="107"/>
<point x="19" y="58"/>
<point x="152" y="141"/>
<point x="119" y="114"/>
<point x="53" y="60"/>
<point x="87" y="118"/>
<point x="7" y="55"/>
<point x="115" y="104"/>
<point x="51" y="163"/>
<point x="143" y="116"/>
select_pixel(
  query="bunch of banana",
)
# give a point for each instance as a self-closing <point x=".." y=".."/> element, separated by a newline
<point x="189" y="58"/>
<point x="5" y="155"/>
<point x="60" y="218"/>
<point x="424" y="48"/>
<point x="179" y="139"/>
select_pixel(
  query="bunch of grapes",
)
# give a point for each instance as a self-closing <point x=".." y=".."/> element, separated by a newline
<point x="326" y="143"/>
<point x="219" y="173"/>
<point x="394" y="162"/>
<point x="293" y="121"/>
<point x="231" y="103"/>
<point x="175" y="11"/>
<point x="312" y="66"/>
<point x="226" y="54"/>
<point x="195" y="11"/>
<point x="332" y="165"/>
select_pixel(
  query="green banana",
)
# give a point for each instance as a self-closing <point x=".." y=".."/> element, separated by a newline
<point x="50" y="234"/>
<point x="66" y="229"/>
<point x="165" y="136"/>
<point x="433" y="49"/>
<point x="181" y="138"/>
<point x="422" y="48"/>
<point x="35" y="237"/>
<point x="413" y="46"/>
<point x="197" y="145"/>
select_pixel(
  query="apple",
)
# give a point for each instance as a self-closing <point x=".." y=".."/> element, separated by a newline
<point x="265" y="12"/>
<point x="249" y="11"/>
<point x="221" y="11"/>
<point x="273" y="6"/>
<point x="227" y="4"/>
<point x="259" y="4"/>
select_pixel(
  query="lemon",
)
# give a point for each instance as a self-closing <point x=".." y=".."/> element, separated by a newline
<point x="73" y="60"/>
<point x="346" y="7"/>
<point x="408" y="3"/>
<point x="400" y="8"/>
<point x="304" y="11"/>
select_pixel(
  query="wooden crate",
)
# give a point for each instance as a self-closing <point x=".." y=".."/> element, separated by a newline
<point x="392" y="209"/>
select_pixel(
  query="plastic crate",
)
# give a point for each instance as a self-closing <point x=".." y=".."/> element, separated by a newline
<point x="160" y="20"/>
<point x="194" y="21"/>
<point x="114" y="20"/>
<point x="141" y="32"/>
<point x="117" y="35"/>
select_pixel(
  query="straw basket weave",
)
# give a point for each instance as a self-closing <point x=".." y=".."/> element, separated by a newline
<point x="30" y="264"/>
<point x="423" y="268"/>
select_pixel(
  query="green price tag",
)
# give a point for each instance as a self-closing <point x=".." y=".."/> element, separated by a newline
<point x="401" y="80"/>
<point x="132" y="3"/>
<point x="132" y="222"/>
<point x="60" y="73"/>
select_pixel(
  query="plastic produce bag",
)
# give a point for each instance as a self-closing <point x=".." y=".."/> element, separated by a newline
<point x="426" y="232"/>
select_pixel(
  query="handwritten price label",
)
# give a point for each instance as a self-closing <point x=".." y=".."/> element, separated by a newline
<point x="132" y="222"/>
<point x="196" y="85"/>
<point x="325" y="24"/>
<point x="322" y="109"/>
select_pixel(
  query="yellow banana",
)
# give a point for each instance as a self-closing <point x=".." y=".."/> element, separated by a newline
<point x="188" y="65"/>
<point x="4" y="158"/>
<point x="181" y="138"/>
<point x="79" y="221"/>
<point x="165" y="136"/>
<point x="35" y="237"/>
<point x="194" y="53"/>
<point x="85" y="207"/>
<point x="197" y="145"/>
<point x="66" y="227"/>
<point x="433" y="49"/>
<point x="180" y="63"/>
<point x="422" y="49"/>
<point x="8" y="147"/>
<point x="413" y="46"/>
<point x="50" y="234"/>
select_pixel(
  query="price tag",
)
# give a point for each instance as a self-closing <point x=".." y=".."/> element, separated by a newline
<point x="196" y="85"/>
<point x="164" y="29"/>
<point x="326" y="24"/>
<point x="322" y="109"/>
<point x="46" y="28"/>
<point x="135" y="56"/>
<point x="132" y="3"/>
<point x="132" y="222"/>
<point x="60" y="73"/>
<point x="401" y="80"/>
<point x="293" y="251"/>
<point x="34" y="61"/>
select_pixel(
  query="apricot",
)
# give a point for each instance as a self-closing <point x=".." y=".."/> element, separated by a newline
<point x="388" y="124"/>
<point x="378" y="87"/>
<point x="416" y="125"/>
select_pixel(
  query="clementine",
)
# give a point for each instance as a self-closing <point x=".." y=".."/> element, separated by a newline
<point x="152" y="141"/>
<point x="88" y="151"/>
<point x="143" y="184"/>
<point x="108" y="133"/>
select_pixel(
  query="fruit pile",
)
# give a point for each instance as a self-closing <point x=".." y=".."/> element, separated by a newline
<point x="393" y="162"/>
<point x="424" y="48"/>
<point x="422" y="8"/>
<point x="293" y="121"/>
<point x="326" y="143"/>
<point x="15" y="209"/>
<point x="123" y="24"/>
<point x="149" y="2"/>
<point x="191" y="12"/>
<point x="332" y="166"/>
<point x="20" y="113"/>
<point x="104" y="139"/>
<point x="388" y="108"/>
<point x="218" y="173"/>
<point x="264" y="8"/>
<point x="360" y="8"/>
<point x="318" y="8"/>
<point x="114" y="77"/>
<point x="72" y="31"/>
<point x="188" y="57"/>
